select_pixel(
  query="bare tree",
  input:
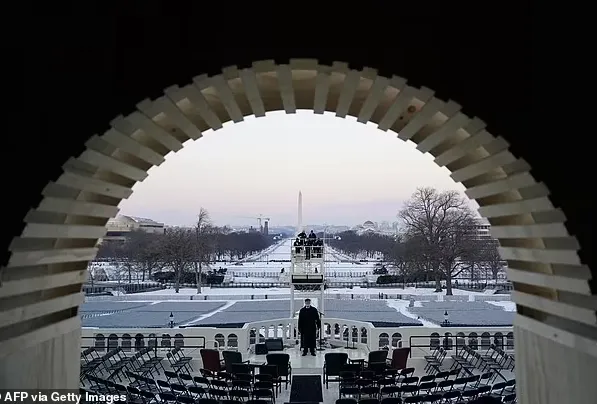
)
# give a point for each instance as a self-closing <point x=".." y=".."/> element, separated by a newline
<point x="108" y="250"/>
<point x="442" y="223"/>
<point x="491" y="259"/>
<point x="204" y="244"/>
<point x="178" y="251"/>
<point x="148" y="254"/>
<point x="458" y="250"/>
<point x="127" y="254"/>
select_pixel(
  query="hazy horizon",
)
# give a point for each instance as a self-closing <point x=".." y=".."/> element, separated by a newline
<point x="348" y="173"/>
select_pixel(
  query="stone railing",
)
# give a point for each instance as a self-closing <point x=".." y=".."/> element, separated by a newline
<point x="287" y="330"/>
<point x="337" y="331"/>
<point x="422" y="340"/>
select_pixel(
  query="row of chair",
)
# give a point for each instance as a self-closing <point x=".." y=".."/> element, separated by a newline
<point x="182" y="385"/>
<point x="353" y="385"/>
<point x="494" y="360"/>
<point x="115" y="363"/>
<point x="430" y="399"/>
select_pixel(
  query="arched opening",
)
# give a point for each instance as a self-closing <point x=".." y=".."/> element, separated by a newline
<point x="232" y="341"/>
<point x="384" y="340"/>
<point x="510" y="340"/>
<point x="473" y="341"/>
<point x="126" y="342"/>
<point x="166" y="341"/>
<point x="74" y="209"/>
<point x="112" y="342"/>
<point x="396" y="340"/>
<point x="220" y="340"/>
<point x="152" y="340"/>
<point x="485" y="340"/>
<point x="100" y="342"/>
<point x="179" y="341"/>
<point x="460" y="340"/>
<point x="139" y="342"/>
<point x="448" y="342"/>
<point x="498" y="340"/>
<point x="434" y="340"/>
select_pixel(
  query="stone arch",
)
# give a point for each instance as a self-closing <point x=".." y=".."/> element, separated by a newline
<point x="139" y="342"/>
<point x="126" y="342"/>
<point x="354" y="334"/>
<point x="220" y="339"/>
<point x="448" y="341"/>
<point x="498" y="340"/>
<point x="178" y="341"/>
<point x="384" y="340"/>
<point x="363" y="335"/>
<point x="485" y="340"/>
<point x="473" y="341"/>
<point x="100" y="342"/>
<point x="63" y="229"/>
<point x="460" y="340"/>
<point x="434" y="340"/>
<point x="166" y="341"/>
<point x="112" y="341"/>
<point x="397" y="340"/>
<point x="232" y="341"/>
<point x="152" y="340"/>
<point x="510" y="340"/>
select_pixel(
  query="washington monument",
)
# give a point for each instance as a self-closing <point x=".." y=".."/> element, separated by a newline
<point x="299" y="225"/>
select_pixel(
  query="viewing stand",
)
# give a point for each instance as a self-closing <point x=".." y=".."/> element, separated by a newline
<point x="307" y="274"/>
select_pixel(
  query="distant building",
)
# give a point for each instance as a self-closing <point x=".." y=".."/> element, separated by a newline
<point x="119" y="227"/>
<point x="482" y="228"/>
<point x="369" y="227"/>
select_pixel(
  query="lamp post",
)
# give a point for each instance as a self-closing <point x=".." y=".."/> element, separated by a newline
<point x="171" y="323"/>
<point x="446" y="318"/>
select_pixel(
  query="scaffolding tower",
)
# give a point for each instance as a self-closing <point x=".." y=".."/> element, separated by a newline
<point x="307" y="271"/>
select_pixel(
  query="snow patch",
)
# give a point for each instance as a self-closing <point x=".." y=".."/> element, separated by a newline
<point x="505" y="305"/>
<point x="401" y="306"/>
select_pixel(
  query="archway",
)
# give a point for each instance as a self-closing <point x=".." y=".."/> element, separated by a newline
<point x="48" y="262"/>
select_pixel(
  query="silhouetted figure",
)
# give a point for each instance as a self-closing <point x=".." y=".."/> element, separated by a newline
<point x="302" y="234"/>
<point x="297" y="245"/>
<point x="318" y="247"/>
<point x="309" y="323"/>
<point x="310" y="243"/>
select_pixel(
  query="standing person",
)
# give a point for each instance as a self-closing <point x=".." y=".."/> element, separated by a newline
<point x="309" y="323"/>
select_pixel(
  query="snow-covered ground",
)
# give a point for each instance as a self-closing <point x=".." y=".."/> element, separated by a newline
<point x="401" y="306"/>
<point x="266" y="271"/>
<point x="506" y="305"/>
<point x="260" y="268"/>
<point x="284" y="291"/>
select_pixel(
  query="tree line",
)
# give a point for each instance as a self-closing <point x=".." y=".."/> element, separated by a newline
<point x="438" y="241"/>
<point x="182" y="250"/>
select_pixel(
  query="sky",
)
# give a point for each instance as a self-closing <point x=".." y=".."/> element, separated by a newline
<point x="348" y="173"/>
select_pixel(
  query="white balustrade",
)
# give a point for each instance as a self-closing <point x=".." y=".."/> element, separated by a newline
<point x="337" y="331"/>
